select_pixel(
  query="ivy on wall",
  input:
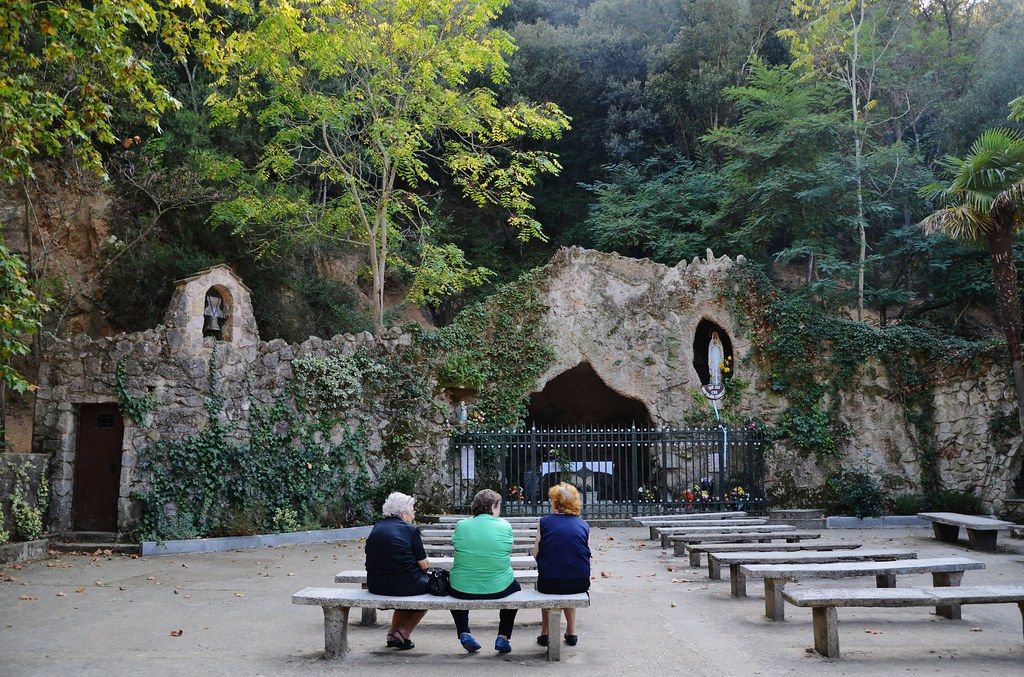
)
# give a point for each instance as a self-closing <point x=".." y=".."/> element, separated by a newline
<point x="27" y="515"/>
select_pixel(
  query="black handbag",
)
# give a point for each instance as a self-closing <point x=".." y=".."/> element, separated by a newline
<point x="437" y="582"/>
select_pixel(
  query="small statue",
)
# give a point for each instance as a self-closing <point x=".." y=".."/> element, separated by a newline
<point x="463" y="415"/>
<point x="716" y="359"/>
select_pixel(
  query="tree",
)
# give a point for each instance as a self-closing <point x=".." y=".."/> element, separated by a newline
<point x="846" y="40"/>
<point x="20" y="311"/>
<point x="364" y="101"/>
<point x="985" y="196"/>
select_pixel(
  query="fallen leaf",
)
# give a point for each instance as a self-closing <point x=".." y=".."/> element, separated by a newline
<point x="673" y="605"/>
<point x="184" y="565"/>
<point x="188" y="596"/>
<point x="975" y="629"/>
<point x="239" y="594"/>
<point x="62" y="594"/>
<point x="108" y="552"/>
<point x="122" y="589"/>
<point x="605" y="574"/>
<point x="873" y="632"/>
<point x="100" y="584"/>
<point x="291" y="573"/>
<point x="670" y="568"/>
<point x="80" y="590"/>
<point x="177" y="633"/>
<point x="27" y="598"/>
<point x="150" y="578"/>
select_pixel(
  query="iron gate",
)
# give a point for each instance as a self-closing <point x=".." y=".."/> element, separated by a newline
<point x="619" y="471"/>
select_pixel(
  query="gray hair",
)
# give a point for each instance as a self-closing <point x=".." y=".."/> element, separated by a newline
<point x="397" y="503"/>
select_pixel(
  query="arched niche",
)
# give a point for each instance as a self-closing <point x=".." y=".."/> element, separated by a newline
<point x="578" y="397"/>
<point x="218" y="310"/>
<point x="701" y="340"/>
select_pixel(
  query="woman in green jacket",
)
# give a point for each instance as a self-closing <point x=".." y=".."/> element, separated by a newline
<point x="482" y="568"/>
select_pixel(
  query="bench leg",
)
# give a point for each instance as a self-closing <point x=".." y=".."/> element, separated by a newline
<point x="694" y="558"/>
<point x="335" y="632"/>
<point x="369" y="617"/>
<point x="737" y="581"/>
<point x="664" y="540"/>
<point x="984" y="540"/>
<point x="826" y="631"/>
<point x="714" y="569"/>
<point x="946" y="580"/>
<point x="885" y="581"/>
<point x="947" y="533"/>
<point x="774" y="604"/>
<point x="554" y="634"/>
<point x="654" y="536"/>
<point x="1021" y="606"/>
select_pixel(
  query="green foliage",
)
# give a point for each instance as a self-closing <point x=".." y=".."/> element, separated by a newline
<point x="396" y="476"/>
<point x="69" y="64"/>
<point x="494" y="347"/>
<point x="443" y="271"/>
<point x="27" y="516"/>
<point x="854" y="492"/>
<point x="944" y="500"/>
<point x="334" y="383"/>
<point x="284" y="475"/>
<point x="19" y="318"/>
<point x="135" y="408"/>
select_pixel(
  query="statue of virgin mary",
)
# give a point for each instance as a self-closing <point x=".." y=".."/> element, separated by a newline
<point x="716" y="358"/>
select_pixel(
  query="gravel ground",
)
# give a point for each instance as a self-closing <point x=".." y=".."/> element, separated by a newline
<point x="651" y="614"/>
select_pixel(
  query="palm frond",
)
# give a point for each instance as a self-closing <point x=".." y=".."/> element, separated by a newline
<point x="959" y="222"/>
<point x="1011" y="199"/>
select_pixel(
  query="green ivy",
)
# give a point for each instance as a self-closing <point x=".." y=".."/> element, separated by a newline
<point x="135" y="408"/>
<point x="27" y="520"/>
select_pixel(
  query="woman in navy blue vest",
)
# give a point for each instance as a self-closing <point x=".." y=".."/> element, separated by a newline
<point x="562" y="550"/>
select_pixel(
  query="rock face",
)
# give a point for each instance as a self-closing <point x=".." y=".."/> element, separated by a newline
<point x="636" y="323"/>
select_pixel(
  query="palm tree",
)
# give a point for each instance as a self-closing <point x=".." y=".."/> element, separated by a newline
<point x="985" y="198"/>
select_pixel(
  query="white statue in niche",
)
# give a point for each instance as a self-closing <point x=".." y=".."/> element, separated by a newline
<point x="716" y="359"/>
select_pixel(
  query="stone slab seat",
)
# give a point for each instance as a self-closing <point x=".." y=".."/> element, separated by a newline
<point x="667" y="532"/>
<point x="336" y="603"/>
<point x="825" y="601"/>
<point x="681" y="541"/>
<point x="369" y="615"/>
<point x="451" y="519"/>
<point x="738" y="582"/>
<point x="945" y="571"/>
<point x="446" y="539"/>
<point x="646" y="519"/>
<point x="442" y="549"/>
<point x="517" y="530"/>
<point x="982" y="532"/>
<point x="715" y="570"/>
<point x="657" y="529"/>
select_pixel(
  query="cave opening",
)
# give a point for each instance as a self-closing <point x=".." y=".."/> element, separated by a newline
<point x="578" y="397"/>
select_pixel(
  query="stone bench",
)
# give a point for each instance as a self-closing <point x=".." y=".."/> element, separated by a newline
<point x="336" y="603"/>
<point x="738" y="582"/>
<point x="680" y="542"/>
<point x="656" y="529"/>
<point x="453" y="519"/>
<point x="825" y="601"/>
<point x="715" y="570"/>
<point x="982" y="532"/>
<point x="723" y="527"/>
<point x="449" y="529"/>
<point x="446" y="539"/>
<point x="651" y="519"/>
<point x="442" y="549"/>
<point x="369" y="615"/>
<point x="945" y="571"/>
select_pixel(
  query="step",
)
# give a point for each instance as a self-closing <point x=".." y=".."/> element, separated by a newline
<point x="802" y="518"/>
<point x="92" y="548"/>
<point x="89" y="537"/>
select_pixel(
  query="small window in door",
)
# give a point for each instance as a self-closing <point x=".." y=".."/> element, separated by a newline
<point x="105" y="421"/>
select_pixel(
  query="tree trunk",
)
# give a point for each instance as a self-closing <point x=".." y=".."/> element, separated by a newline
<point x="1004" y="275"/>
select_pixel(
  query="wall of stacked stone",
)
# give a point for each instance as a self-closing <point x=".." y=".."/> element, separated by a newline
<point x="84" y="370"/>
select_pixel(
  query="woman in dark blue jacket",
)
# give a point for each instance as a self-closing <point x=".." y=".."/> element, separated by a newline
<point x="562" y="550"/>
<point x="396" y="564"/>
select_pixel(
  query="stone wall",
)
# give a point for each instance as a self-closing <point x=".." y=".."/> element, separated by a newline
<point x="35" y="465"/>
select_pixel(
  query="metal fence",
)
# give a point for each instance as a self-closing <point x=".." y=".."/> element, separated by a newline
<point x="619" y="471"/>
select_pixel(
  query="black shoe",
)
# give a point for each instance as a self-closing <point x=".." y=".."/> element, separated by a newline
<point x="542" y="640"/>
<point x="571" y="639"/>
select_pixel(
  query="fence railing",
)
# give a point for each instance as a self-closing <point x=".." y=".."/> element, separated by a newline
<point x="619" y="471"/>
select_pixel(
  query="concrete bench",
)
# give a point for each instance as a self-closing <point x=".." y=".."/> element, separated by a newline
<point x="982" y="532"/>
<point x="725" y="514"/>
<point x="945" y="571"/>
<point x="715" y="570"/>
<point x="336" y="603"/>
<point x="824" y="602"/>
<point x="680" y="542"/>
<point x="449" y="529"/>
<point x="655" y="530"/>
<point x="446" y="539"/>
<point x="452" y="519"/>
<point x="738" y="582"/>
<point x="369" y="615"/>
<point x="667" y="532"/>
<point x="449" y="549"/>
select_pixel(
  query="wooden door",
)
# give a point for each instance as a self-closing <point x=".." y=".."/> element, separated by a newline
<point x="97" y="467"/>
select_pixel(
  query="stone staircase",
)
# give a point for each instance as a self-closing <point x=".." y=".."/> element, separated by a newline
<point x="91" y="542"/>
<point x="801" y="518"/>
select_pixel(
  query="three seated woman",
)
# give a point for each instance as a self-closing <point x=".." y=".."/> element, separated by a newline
<point x="396" y="563"/>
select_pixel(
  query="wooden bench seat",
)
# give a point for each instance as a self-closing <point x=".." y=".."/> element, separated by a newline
<point x="715" y="569"/>
<point x="945" y="571"/>
<point x="982" y="532"/>
<point x="825" y="601"/>
<point x="336" y="603"/>
<point x="741" y="525"/>
<point x="680" y="542"/>
<point x="738" y="582"/>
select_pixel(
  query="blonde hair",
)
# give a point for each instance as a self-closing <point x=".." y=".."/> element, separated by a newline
<point x="565" y="498"/>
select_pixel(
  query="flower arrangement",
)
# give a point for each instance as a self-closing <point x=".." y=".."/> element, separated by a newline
<point x="514" y="493"/>
<point x="647" y="494"/>
<point x="726" y="365"/>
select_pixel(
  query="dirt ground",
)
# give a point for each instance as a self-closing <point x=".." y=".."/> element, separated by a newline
<point x="650" y="614"/>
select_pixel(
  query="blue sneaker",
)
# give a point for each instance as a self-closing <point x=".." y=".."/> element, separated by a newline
<point x="502" y="645"/>
<point x="470" y="644"/>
